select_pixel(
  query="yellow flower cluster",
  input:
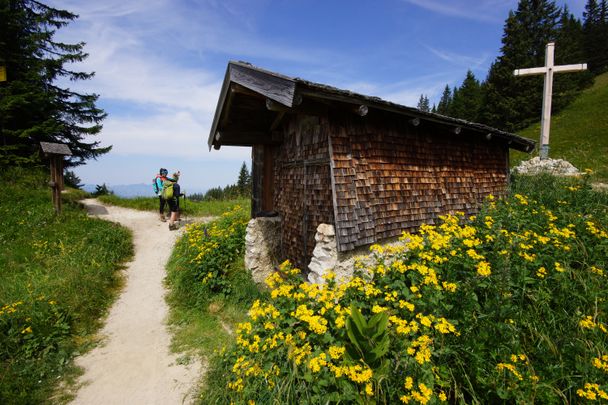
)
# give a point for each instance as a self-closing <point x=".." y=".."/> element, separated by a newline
<point x="422" y="395"/>
<point x="10" y="308"/>
<point x="512" y="367"/>
<point x="594" y="230"/>
<point x="206" y="239"/>
<point x="420" y="349"/>
<point x="592" y="392"/>
<point x="589" y="323"/>
<point x="316" y="323"/>
<point x="601" y="363"/>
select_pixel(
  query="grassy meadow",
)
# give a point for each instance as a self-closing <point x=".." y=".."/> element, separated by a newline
<point x="579" y="134"/>
<point x="505" y="307"/>
<point x="59" y="275"/>
<point x="211" y="292"/>
<point x="189" y="208"/>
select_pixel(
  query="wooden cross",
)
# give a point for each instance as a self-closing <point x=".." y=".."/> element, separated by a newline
<point x="548" y="71"/>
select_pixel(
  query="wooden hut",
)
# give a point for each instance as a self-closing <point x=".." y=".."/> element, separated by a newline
<point x="370" y="167"/>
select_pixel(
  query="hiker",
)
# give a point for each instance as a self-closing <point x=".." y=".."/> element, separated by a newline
<point x="157" y="185"/>
<point x="171" y="195"/>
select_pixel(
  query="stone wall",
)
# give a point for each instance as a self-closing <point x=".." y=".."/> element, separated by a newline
<point x="262" y="245"/>
<point x="326" y="257"/>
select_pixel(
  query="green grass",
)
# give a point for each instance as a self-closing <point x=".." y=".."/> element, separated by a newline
<point x="203" y="320"/>
<point x="63" y="271"/>
<point x="193" y="208"/>
<point x="579" y="134"/>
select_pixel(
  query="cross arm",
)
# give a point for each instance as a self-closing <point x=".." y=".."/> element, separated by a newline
<point x="570" y="68"/>
<point x="530" y="71"/>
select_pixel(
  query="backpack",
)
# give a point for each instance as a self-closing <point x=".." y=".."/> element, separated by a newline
<point x="167" y="191"/>
<point x="155" y="185"/>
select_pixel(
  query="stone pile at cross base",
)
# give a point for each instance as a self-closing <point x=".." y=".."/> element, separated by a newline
<point x="557" y="167"/>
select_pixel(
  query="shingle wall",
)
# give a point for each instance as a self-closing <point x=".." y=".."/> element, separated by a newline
<point x="392" y="177"/>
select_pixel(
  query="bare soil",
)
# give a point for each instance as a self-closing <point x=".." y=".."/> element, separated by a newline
<point x="133" y="364"/>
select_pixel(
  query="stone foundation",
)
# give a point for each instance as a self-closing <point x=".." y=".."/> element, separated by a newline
<point x="326" y="258"/>
<point x="262" y="243"/>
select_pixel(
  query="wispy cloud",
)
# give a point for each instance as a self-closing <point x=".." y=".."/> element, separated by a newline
<point x="145" y="55"/>
<point x="471" y="62"/>
<point x="490" y="11"/>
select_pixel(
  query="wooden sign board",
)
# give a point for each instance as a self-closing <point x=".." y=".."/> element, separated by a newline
<point x="2" y="73"/>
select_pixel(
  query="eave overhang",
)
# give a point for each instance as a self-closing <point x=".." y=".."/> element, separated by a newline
<point x="253" y="101"/>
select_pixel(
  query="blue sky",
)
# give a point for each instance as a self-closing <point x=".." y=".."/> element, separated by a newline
<point x="159" y="65"/>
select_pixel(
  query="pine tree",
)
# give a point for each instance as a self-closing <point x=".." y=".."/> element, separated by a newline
<point x="445" y="102"/>
<point x="424" y="104"/>
<point x="466" y="101"/>
<point x="33" y="107"/>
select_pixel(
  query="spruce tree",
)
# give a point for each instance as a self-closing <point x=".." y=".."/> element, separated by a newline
<point x="424" y="104"/>
<point x="595" y="34"/>
<point x="467" y="99"/>
<point x="33" y="107"/>
<point x="569" y="49"/>
<point x="445" y="102"/>
<point x="244" y="182"/>
<point x="511" y="102"/>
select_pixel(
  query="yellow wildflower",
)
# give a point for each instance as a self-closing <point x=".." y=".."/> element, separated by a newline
<point x="483" y="269"/>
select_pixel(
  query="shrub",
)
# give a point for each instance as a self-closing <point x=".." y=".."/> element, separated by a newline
<point x="210" y="251"/>
<point x="509" y="305"/>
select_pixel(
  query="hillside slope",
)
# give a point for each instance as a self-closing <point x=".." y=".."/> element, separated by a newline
<point x="579" y="133"/>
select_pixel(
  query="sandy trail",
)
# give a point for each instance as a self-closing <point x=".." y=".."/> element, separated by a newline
<point x="134" y="365"/>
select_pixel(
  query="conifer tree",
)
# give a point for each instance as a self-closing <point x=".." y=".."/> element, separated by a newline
<point x="244" y="181"/>
<point x="445" y="102"/>
<point x="512" y="103"/>
<point x="423" y="103"/>
<point x="569" y="49"/>
<point x="467" y="99"/>
<point x="595" y="34"/>
<point x="33" y="107"/>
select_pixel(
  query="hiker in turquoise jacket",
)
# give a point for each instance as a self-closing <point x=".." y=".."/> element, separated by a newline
<point x="158" y="188"/>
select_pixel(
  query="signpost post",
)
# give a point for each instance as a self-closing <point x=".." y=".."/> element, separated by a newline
<point x="55" y="152"/>
<point x="548" y="70"/>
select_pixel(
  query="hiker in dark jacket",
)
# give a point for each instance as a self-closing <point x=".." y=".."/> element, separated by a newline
<point x="173" y="200"/>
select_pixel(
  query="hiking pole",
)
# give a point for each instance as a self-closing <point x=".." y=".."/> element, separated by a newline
<point x="185" y="214"/>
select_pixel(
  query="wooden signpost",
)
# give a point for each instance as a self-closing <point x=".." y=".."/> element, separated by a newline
<point x="548" y="71"/>
<point x="55" y="152"/>
<point x="2" y="73"/>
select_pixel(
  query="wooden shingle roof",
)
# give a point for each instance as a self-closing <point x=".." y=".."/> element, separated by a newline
<point x="253" y="101"/>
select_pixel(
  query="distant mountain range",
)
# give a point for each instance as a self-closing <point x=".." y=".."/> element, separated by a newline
<point x="126" y="190"/>
<point x="131" y="190"/>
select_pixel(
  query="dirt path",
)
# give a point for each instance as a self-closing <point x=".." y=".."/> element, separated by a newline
<point x="134" y="365"/>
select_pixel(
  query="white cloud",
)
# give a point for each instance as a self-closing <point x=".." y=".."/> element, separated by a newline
<point x="142" y="54"/>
